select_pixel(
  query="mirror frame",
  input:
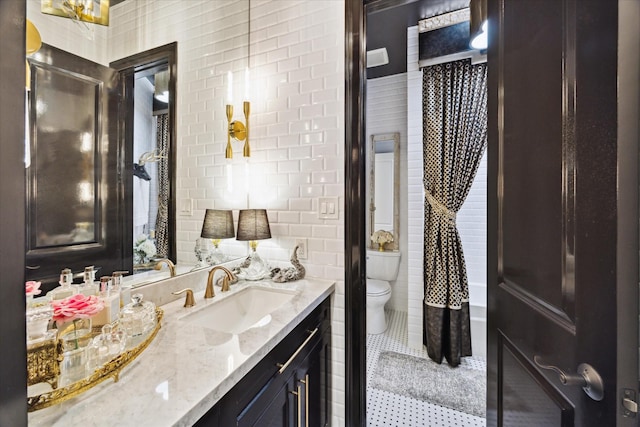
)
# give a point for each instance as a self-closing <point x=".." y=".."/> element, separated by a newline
<point x="374" y="138"/>
<point x="128" y="67"/>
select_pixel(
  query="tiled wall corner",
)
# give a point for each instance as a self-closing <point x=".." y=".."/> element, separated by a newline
<point x="415" y="191"/>
<point x="297" y="68"/>
<point x="387" y="113"/>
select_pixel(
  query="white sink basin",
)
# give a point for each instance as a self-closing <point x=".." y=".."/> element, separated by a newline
<point x="249" y="308"/>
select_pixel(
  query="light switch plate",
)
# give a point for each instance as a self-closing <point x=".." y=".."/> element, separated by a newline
<point x="328" y="208"/>
<point x="186" y="207"/>
<point x="302" y="248"/>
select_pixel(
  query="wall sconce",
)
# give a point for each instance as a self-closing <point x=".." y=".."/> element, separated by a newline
<point x="92" y="11"/>
<point x="478" y="24"/>
<point x="236" y="129"/>
<point x="33" y="44"/>
<point x="253" y="225"/>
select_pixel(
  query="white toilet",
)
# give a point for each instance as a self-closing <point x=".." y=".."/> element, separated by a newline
<point x="382" y="267"/>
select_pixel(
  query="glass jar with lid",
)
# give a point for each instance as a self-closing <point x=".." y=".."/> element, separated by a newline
<point x="137" y="318"/>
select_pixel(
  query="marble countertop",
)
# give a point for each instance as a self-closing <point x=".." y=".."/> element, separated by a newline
<point x="187" y="368"/>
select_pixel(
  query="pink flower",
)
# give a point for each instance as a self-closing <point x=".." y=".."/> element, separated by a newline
<point x="32" y="288"/>
<point x="76" y="307"/>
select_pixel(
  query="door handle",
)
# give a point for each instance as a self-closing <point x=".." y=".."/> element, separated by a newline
<point x="586" y="377"/>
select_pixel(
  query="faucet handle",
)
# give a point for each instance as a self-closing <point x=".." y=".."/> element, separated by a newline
<point x="189" y="300"/>
<point x="225" y="284"/>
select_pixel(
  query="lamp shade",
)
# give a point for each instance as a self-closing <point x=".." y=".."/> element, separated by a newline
<point x="218" y="224"/>
<point x="253" y="224"/>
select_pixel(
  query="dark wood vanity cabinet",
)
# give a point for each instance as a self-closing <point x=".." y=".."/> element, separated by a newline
<point x="290" y="387"/>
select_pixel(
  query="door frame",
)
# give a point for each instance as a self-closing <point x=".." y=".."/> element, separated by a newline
<point x="628" y="210"/>
<point x="355" y="210"/>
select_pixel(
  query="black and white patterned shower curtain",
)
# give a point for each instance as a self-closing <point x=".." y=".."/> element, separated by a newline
<point x="162" y="220"/>
<point x="455" y="137"/>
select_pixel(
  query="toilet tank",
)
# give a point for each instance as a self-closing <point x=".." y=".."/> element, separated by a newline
<point x="383" y="265"/>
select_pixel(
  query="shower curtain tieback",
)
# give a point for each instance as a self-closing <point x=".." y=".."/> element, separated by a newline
<point x="439" y="208"/>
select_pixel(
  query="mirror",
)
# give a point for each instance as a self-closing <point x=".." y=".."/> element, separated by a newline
<point x="384" y="190"/>
<point x="204" y="61"/>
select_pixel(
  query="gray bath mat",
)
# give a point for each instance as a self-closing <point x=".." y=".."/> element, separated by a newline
<point x="461" y="388"/>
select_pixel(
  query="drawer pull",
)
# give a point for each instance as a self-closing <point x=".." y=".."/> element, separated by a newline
<point x="282" y="366"/>
<point x="297" y="395"/>
<point x="305" y="381"/>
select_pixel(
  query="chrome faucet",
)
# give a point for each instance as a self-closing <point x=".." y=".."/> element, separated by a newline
<point x="171" y="265"/>
<point x="208" y="293"/>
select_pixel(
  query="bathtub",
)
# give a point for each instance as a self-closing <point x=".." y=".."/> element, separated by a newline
<point x="478" y="314"/>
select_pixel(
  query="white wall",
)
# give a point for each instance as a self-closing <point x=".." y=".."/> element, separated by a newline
<point x="386" y="113"/>
<point x="471" y="219"/>
<point x="297" y="123"/>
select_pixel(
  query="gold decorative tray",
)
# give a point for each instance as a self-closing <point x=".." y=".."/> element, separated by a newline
<point x="110" y="369"/>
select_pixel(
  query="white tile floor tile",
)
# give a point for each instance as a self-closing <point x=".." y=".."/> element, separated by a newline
<point x="389" y="409"/>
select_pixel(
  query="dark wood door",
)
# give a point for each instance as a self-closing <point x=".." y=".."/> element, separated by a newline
<point x="557" y="213"/>
<point x="74" y="214"/>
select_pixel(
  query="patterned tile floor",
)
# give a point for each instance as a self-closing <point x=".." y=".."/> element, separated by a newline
<point x="389" y="409"/>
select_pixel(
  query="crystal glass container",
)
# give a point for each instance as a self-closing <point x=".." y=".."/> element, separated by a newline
<point x="202" y="250"/>
<point x="38" y="319"/>
<point x="75" y="337"/>
<point x="104" y="347"/>
<point x="137" y="318"/>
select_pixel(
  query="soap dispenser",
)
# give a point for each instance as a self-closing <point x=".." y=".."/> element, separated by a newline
<point x="121" y="288"/>
<point x="65" y="289"/>
<point x="111" y="310"/>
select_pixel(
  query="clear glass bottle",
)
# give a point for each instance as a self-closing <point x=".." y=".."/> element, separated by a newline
<point x="89" y="286"/>
<point x="138" y="318"/>
<point x="65" y="289"/>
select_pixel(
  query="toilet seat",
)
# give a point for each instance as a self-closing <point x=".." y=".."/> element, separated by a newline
<point x="377" y="287"/>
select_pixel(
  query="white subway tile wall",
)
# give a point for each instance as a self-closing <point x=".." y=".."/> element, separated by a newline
<point x="471" y="220"/>
<point x="387" y="113"/>
<point x="295" y="53"/>
<point x="415" y="191"/>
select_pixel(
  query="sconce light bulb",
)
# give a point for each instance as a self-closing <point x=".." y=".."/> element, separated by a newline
<point x="246" y="83"/>
<point x="229" y="87"/>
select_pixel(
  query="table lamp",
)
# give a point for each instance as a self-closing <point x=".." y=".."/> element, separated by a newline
<point x="253" y="225"/>
<point x="217" y="225"/>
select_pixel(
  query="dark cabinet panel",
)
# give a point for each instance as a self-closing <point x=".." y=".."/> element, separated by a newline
<point x="289" y="387"/>
<point x="272" y="409"/>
